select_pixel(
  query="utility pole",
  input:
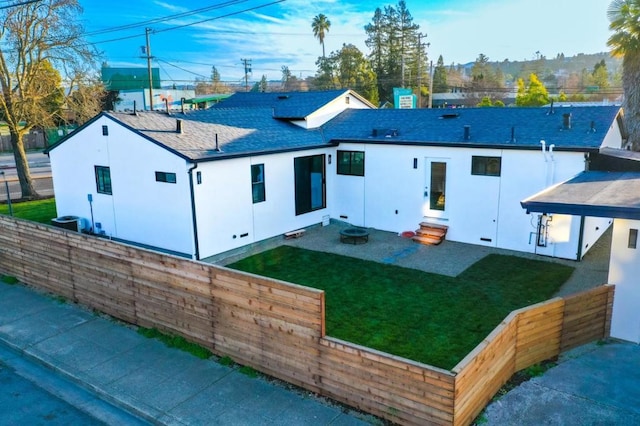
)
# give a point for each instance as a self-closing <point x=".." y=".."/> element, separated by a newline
<point x="431" y="85"/>
<point x="419" y="76"/>
<point x="247" y="70"/>
<point x="148" y="52"/>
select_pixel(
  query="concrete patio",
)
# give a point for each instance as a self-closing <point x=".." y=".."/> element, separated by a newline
<point x="449" y="258"/>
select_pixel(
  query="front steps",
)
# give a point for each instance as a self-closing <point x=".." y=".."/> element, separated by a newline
<point x="430" y="233"/>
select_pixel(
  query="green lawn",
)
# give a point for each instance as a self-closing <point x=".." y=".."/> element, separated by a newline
<point x="38" y="211"/>
<point x="426" y="317"/>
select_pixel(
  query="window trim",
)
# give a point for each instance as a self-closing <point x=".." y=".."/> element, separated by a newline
<point x="102" y="186"/>
<point x="485" y="166"/>
<point x="258" y="184"/>
<point x="350" y="172"/>
<point x="166" y="177"/>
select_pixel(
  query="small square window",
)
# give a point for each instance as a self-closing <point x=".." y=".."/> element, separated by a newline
<point x="486" y="166"/>
<point x="199" y="177"/>
<point x="257" y="183"/>
<point x="103" y="180"/>
<point x="351" y="163"/>
<point x="105" y="130"/>
<point x="165" y="177"/>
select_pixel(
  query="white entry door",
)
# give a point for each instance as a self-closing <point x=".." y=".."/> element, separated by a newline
<point x="435" y="187"/>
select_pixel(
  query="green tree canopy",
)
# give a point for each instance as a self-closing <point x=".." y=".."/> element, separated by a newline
<point x="40" y="44"/>
<point x="600" y="75"/>
<point x="347" y="69"/>
<point x="397" y="53"/>
<point x="320" y="26"/>
<point x="440" y="77"/>
<point x="533" y="95"/>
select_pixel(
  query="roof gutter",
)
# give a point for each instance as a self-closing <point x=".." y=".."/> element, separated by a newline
<point x="194" y="218"/>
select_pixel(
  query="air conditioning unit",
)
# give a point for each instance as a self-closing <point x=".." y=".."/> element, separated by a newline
<point x="72" y="223"/>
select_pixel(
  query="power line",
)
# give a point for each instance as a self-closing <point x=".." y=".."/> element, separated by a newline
<point x="219" y="17"/>
<point x="190" y="24"/>
<point x="24" y="3"/>
<point x="165" y="18"/>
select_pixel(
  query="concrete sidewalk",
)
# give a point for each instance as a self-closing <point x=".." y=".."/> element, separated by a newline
<point x="592" y="385"/>
<point x="156" y="383"/>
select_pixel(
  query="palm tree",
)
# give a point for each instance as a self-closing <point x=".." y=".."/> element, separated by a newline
<point x="624" y="18"/>
<point x="320" y="27"/>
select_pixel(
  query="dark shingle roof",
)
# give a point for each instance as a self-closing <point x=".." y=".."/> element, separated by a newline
<point x="596" y="194"/>
<point x="239" y="132"/>
<point x="487" y="126"/>
<point x="285" y="105"/>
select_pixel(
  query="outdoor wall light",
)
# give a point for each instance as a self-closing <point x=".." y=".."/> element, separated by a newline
<point x="329" y="158"/>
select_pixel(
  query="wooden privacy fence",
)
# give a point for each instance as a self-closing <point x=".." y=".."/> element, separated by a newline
<point x="31" y="141"/>
<point x="278" y="328"/>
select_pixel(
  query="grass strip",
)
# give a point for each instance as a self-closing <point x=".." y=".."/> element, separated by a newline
<point x="177" y="342"/>
<point x="41" y="211"/>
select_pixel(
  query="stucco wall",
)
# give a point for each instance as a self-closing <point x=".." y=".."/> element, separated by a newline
<point x="624" y="269"/>
<point x="227" y="217"/>
<point x="481" y="210"/>
<point x="139" y="208"/>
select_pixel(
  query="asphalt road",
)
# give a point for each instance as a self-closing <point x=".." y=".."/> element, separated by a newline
<point x="31" y="394"/>
<point x="40" y="169"/>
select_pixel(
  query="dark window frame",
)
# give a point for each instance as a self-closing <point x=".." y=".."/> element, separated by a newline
<point x="166" y="177"/>
<point x="103" y="180"/>
<point x="258" y="188"/>
<point x="305" y="168"/>
<point x="348" y="165"/>
<point x="486" y="165"/>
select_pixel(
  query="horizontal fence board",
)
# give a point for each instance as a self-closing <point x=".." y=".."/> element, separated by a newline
<point x="278" y="328"/>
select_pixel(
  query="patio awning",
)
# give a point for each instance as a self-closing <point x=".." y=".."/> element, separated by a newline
<point x="593" y="193"/>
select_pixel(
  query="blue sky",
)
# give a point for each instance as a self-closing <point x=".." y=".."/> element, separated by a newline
<point x="280" y="33"/>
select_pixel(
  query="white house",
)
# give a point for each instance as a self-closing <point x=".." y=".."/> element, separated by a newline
<point x="261" y="164"/>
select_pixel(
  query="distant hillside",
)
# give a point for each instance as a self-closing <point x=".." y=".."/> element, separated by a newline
<point x="557" y="65"/>
<point x="560" y="64"/>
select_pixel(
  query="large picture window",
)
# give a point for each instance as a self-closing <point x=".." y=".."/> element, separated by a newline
<point x="257" y="183"/>
<point x="351" y="163"/>
<point x="486" y="166"/>
<point x="103" y="180"/>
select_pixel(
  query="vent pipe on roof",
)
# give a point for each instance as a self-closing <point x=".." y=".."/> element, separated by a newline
<point x="179" y="128"/>
<point x="513" y="135"/>
<point x="592" y="129"/>
<point x="166" y="105"/>
<point x="467" y="132"/>
<point x="566" y="121"/>
<point x="551" y="111"/>
<point x="217" y="146"/>
<point x="182" y="105"/>
<point x="134" y="108"/>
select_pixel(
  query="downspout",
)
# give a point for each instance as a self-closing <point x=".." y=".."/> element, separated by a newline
<point x="544" y="150"/>
<point x="193" y="211"/>
<point x="553" y="164"/>
<point x="580" y="239"/>
<point x="546" y="162"/>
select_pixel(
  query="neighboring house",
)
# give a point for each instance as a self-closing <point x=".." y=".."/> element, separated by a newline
<point x="175" y="100"/>
<point x="258" y="165"/>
